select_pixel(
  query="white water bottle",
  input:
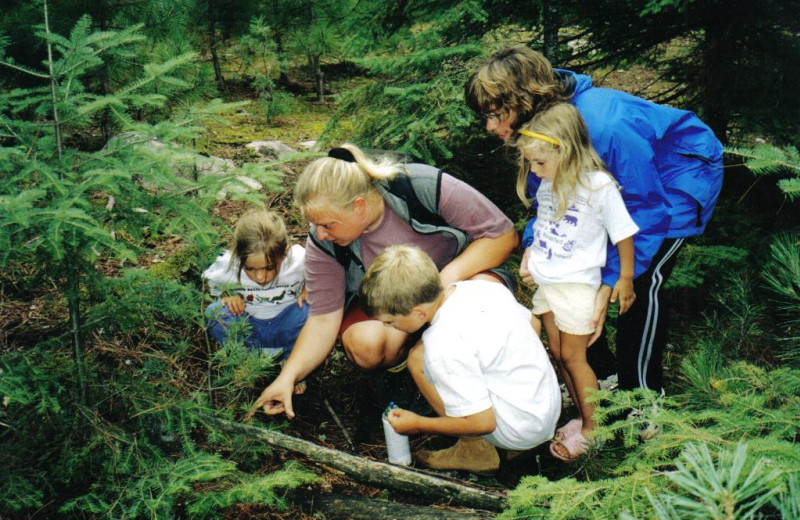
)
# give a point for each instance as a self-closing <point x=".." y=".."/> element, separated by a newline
<point x="396" y="445"/>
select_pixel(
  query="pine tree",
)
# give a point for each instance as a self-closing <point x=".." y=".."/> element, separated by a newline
<point x="697" y="45"/>
<point x="92" y="425"/>
<point x="782" y="277"/>
<point x="57" y="215"/>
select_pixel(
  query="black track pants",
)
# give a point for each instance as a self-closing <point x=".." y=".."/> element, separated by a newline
<point x="642" y="331"/>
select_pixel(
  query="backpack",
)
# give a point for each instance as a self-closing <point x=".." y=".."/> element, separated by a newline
<point x="415" y="198"/>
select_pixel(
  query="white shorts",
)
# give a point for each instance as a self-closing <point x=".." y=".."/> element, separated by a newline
<point x="572" y="305"/>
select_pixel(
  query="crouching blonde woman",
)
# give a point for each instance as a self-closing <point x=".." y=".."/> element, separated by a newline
<point x="357" y="206"/>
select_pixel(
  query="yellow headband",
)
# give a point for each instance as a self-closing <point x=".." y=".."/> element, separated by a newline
<point x="551" y="140"/>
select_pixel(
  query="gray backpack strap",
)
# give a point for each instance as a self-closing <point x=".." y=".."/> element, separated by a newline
<point x="415" y="198"/>
<point x="420" y="191"/>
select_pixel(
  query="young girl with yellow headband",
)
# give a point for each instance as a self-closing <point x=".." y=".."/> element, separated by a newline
<point x="579" y="208"/>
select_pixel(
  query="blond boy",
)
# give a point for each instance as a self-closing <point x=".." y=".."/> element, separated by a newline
<point x="484" y="370"/>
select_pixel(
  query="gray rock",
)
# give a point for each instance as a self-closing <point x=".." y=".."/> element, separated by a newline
<point x="244" y="185"/>
<point x="190" y="165"/>
<point x="270" y="149"/>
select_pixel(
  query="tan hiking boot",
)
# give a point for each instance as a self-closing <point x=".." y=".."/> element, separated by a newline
<point x="473" y="454"/>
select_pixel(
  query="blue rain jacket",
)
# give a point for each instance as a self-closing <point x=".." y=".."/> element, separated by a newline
<point x="667" y="161"/>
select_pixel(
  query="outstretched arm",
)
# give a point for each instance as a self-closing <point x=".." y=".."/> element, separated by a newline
<point x="313" y="345"/>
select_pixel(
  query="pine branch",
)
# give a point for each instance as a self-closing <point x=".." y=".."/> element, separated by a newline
<point x="767" y="159"/>
<point x="25" y="70"/>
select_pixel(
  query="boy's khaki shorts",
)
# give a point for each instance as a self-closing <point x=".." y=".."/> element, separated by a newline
<point x="572" y="305"/>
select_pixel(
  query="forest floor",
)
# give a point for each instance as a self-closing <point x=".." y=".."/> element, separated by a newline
<point x="342" y="407"/>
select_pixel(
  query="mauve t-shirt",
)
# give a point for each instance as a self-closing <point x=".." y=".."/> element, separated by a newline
<point x="460" y="205"/>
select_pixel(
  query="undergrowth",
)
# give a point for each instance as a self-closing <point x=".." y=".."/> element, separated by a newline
<point x="104" y="414"/>
<point x="139" y="447"/>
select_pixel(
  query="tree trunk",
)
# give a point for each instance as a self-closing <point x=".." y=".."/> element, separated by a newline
<point x="380" y="474"/>
<point x="716" y="75"/>
<point x="319" y="85"/>
<point x="313" y="57"/>
<point x="73" y="305"/>
<point x="56" y="120"/>
<point x="212" y="36"/>
<point x="551" y="22"/>
<point x="283" y="61"/>
<point x="105" y="121"/>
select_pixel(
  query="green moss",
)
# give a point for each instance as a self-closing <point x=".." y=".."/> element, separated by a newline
<point x="188" y="261"/>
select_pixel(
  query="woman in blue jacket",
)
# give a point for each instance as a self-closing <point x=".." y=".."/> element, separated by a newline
<point x="668" y="162"/>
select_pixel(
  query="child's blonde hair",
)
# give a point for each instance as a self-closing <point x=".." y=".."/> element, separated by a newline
<point x="334" y="182"/>
<point x="561" y="130"/>
<point x="399" y="279"/>
<point x="258" y="232"/>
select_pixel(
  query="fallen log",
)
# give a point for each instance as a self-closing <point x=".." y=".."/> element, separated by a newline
<point x="334" y="506"/>
<point x="374" y="473"/>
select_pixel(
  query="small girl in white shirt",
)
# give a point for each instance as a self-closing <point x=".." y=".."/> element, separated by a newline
<point x="579" y="209"/>
<point x="261" y="279"/>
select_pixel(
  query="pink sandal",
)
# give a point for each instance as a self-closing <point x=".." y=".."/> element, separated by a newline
<point x="568" y="430"/>
<point x="575" y="445"/>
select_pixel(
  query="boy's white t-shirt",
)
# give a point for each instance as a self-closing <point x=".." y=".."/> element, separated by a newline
<point x="481" y="352"/>
<point x="573" y="248"/>
<point x="261" y="302"/>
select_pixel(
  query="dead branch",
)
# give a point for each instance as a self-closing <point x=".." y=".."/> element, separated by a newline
<point x="337" y="506"/>
<point x="380" y="474"/>
<point x="341" y="426"/>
